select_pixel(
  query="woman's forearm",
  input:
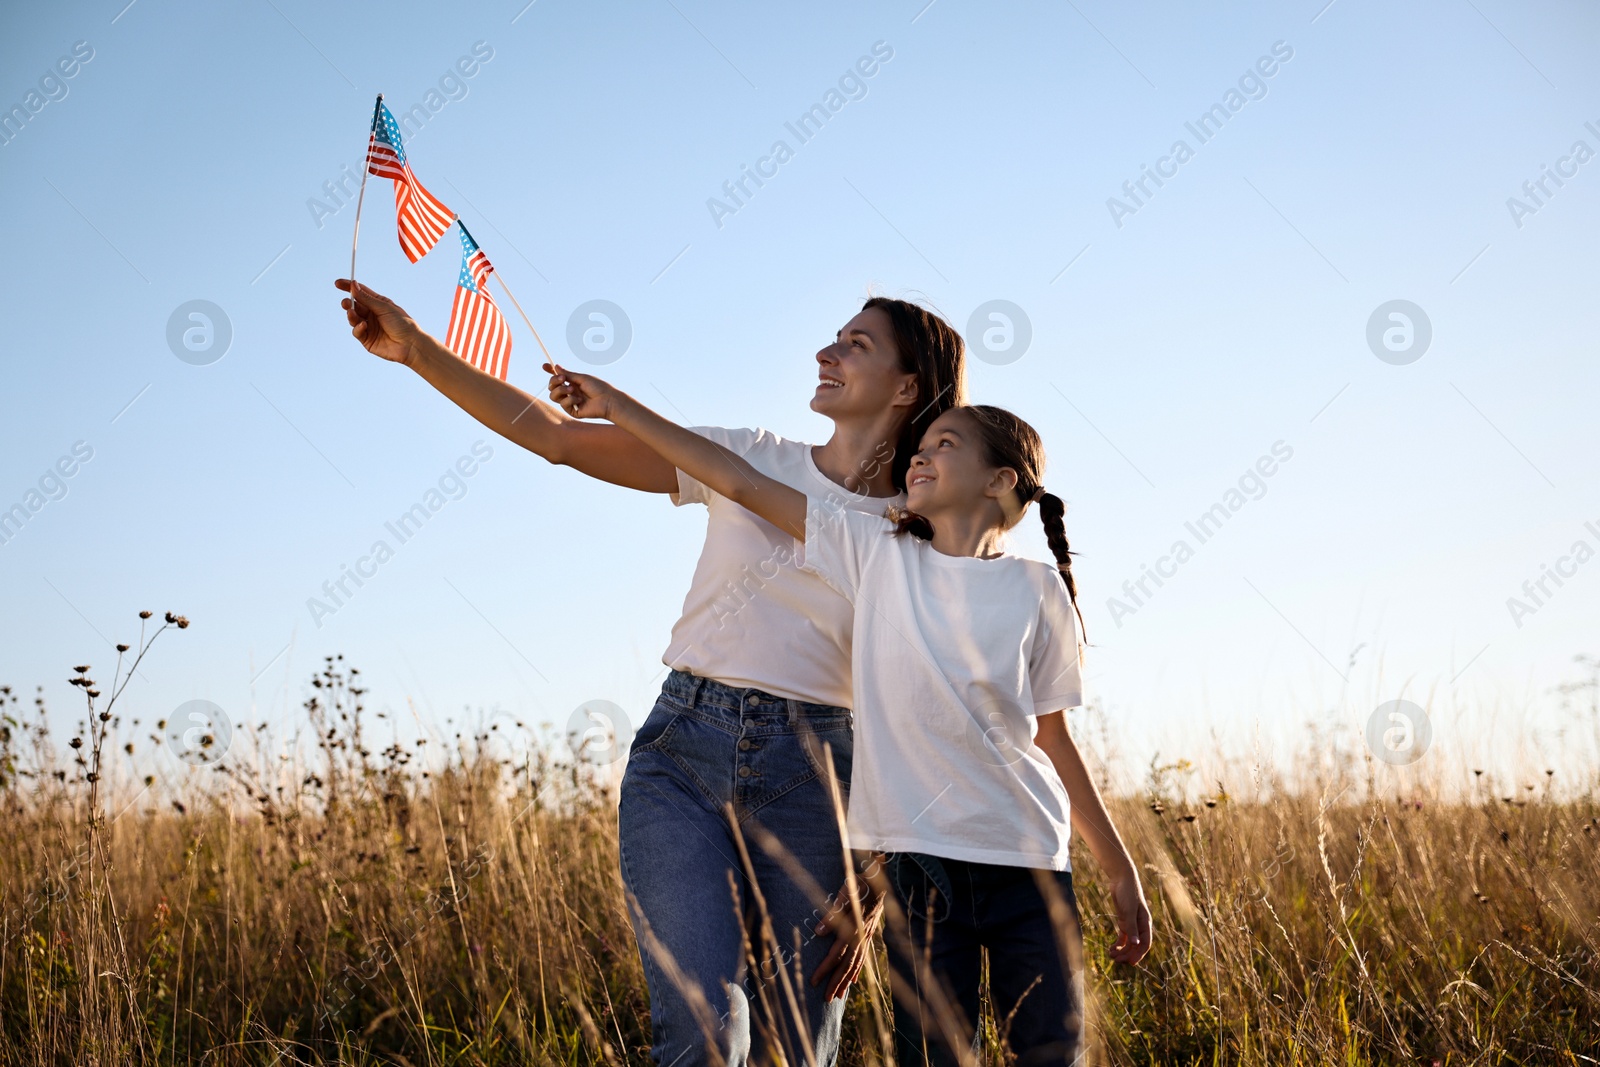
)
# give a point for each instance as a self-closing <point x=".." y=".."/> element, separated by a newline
<point x="500" y="406"/>
<point x="725" y="472"/>
<point x="598" y="450"/>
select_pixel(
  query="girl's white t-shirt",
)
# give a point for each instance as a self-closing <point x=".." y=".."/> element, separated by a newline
<point x="752" y="616"/>
<point x="956" y="657"/>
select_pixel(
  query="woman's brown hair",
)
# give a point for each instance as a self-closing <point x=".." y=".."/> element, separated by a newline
<point x="931" y="349"/>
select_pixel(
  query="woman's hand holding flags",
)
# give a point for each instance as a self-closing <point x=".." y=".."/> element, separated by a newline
<point x="477" y="332"/>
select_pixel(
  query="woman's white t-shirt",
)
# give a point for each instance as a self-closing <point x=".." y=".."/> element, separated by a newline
<point x="753" y="617"/>
<point x="955" y="659"/>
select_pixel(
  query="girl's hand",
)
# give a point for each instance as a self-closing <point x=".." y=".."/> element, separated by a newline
<point x="1133" y="919"/>
<point x="583" y="396"/>
<point x="381" y="325"/>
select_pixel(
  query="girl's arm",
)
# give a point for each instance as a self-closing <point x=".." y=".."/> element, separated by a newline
<point x="724" y="472"/>
<point x="604" y="452"/>
<point x="1090" y="819"/>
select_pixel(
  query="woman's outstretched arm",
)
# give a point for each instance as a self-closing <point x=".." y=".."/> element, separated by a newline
<point x="725" y="472"/>
<point x="608" y="453"/>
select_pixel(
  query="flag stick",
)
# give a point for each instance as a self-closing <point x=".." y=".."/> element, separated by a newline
<point x="524" y="315"/>
<point x="362" y="195"/>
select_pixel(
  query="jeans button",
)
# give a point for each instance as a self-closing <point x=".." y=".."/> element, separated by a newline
<point x="744" y="772"/>
<point x="752" y="700"/>
<point x="744" y="744"/>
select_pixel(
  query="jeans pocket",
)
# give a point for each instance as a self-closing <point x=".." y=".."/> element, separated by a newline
<point x="922" y="885"/>
<point x="833" y="745"/>
<point x="657" y="727"/>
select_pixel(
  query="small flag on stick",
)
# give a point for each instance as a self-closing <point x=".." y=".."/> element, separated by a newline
<point x="361" y="197"/>
<point x="478" y="332"/>
<point x="421" y="217"/>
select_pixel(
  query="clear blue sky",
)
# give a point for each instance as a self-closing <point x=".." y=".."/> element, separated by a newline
<point x="1226" y="313"/>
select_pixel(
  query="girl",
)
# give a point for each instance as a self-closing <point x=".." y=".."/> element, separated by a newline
<point x="965" y="658"/>
<point x="731" y="724"/>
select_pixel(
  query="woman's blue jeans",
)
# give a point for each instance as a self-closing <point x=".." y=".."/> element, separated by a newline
<point x="706" y="750"/>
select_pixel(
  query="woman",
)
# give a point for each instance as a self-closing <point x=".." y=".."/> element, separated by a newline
<point x="759" y="686"/>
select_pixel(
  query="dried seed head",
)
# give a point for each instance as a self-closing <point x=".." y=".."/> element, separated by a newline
<point x="171" y="617"/>
<point x="122" y="648"/>
<point x="76" y="742"/>
<point x="144" y="614"/>
<point x="81" y="670"/>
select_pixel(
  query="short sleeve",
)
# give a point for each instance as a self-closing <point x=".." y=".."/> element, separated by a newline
<point x="1055" y="670"/>
<point x="839" y="541"/>
<point x="692" y="490"/>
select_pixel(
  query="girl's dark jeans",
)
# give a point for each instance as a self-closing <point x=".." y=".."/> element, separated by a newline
<point x="954" y="909"/>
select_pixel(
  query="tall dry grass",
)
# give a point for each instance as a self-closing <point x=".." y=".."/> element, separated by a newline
<point x="310" y="900"/>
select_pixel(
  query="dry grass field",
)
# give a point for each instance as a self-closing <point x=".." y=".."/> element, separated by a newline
<point x="343" y="905"/>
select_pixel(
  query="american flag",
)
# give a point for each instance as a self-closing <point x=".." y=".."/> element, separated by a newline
<point x="422" y="218"/>
<point x="477" y="333"/>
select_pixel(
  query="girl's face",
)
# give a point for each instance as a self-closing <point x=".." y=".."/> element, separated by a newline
<point x="950" y="472"/>
<point x="859" y="373"/>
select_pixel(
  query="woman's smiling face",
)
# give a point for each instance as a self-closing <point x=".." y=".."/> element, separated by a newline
<point x="859" y="373"/>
